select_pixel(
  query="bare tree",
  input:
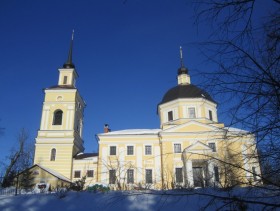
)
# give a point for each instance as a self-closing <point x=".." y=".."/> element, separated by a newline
<point x="246" y="52"/>
<point x="19" y="159"/>
<point x="2" y="129"/>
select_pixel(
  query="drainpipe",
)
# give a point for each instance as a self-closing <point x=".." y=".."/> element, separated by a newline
<point x="97" y="140"/>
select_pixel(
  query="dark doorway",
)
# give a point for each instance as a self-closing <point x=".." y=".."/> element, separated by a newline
<point x="198" y="177"/>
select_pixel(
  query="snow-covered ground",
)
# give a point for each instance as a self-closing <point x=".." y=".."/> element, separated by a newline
<point x="144" y="200"/>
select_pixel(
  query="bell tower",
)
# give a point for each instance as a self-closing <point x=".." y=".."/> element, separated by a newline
<point x="60" y="136"/>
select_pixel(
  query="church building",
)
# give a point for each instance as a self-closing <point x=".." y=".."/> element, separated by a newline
<point x="191" y="148"/>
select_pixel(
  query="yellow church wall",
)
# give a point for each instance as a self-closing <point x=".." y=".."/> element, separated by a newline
<point x="67" y="95"/>
<point x="180" y="109"/>
<point x="63" y="159"/>
<point x="83" y="166"/>
<point x="71" y="75"/>
<point x="171" y="160"/>
<point x="38" y="175"/>
<point x="139" y="161"/>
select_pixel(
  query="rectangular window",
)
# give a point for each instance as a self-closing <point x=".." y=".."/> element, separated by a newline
<point x="191" y="112"/>
<point x="254" y="173"/>
<point x="65" y="80"/>
<point x="216" y="174"/>
<point x="113" y="150"/>
<point x="77" y="174"/>
<point x="130" y="150"/>
<point x="212" y="146"/>
<point x="130" y="176"/>
<point x="210" y="115"/>
<point x="148" y="150"/>
<point x="112" y="176"/>
<point x="179" y="175"/>
<point x="177" y="148"/>
<point x="170" y="115"/>
<point x="90" y="173"/>
<point x="149" y="176"/>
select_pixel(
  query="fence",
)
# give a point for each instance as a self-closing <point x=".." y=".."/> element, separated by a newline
<point x="8" y="191"/>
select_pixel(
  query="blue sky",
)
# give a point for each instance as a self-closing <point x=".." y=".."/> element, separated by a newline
<point x="126" y="55"/>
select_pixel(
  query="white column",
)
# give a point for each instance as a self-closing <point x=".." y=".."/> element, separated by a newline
<point x="122" y="164"/>
<point x="81" y="128"/>
<point x="157" y="164"/>
<point x="104" y="170"/>
<point x="43" y="120"/>
<point x="245" y="160"/>
<point x="189" y="172"/>
<point x="211" y="172"/>
<point x="71" y="126"/>
<point x="139" y="167"/>
<point x="47" y="116"/>
<point x="67" y="120"/>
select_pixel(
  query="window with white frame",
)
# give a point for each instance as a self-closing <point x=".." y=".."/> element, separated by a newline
<point x="170" y="115"/>
<point x="191" y="112"/>
<point x="130" y="176"/>
<point x="216" y="174"/>
<point x="65" y="80"/>
<point x="130" y="150"/>
<point x="149" y="176"/>
<point x="179" y="175"/>
<point x="177" y="148"/>
<point x="77" y="174"/>
<point x="57" y="117"/>
<point x="53" y="154"/>
<point x="148" y="150"/>
<point x="210" y="115"/>
<point x="90" y="173"/>
<point x="112" y="176"/>
<point x="113" y="150"/>
<point x="212" y="145"/>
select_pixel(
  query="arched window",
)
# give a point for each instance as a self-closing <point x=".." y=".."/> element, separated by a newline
<point x="53" y="154"/>
<point x="57" y="117"/>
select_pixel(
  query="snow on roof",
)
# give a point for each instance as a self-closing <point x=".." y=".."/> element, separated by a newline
<point x="133" y="132"/>
<point x="82" y="156"/>
<point x="54" y="173"/>
<point x="156" y="131"/>
<point x="235" y="130"/>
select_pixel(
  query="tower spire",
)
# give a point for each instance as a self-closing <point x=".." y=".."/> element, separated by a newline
<point x="68" y="63"/>
<point x="181" y="56"/>
<point x="182" y="69"/>
<point x="183" y="75"/>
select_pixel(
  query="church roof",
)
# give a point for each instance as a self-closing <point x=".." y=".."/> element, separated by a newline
<point x="85" y="155"/>
<point x="54" y="173"/>
<point x="134" y="132"/>
<point x="61" y="87"/>
<point x="185" y="91"/>
<point x="51" y="171"/>
<point x="69" y="63"/>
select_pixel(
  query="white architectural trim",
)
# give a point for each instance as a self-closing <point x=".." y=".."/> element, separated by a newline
<point x="53" y="90"/>
<point x="139" y="170"/>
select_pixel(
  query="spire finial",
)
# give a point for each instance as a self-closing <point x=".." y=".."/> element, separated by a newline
<point x="182" y="69"/>
<point x="73" y="35"/>
<point x="181" y="57"/>
<point x="69" y="63"/>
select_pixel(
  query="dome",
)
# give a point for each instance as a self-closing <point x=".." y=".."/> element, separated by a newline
<point x="185" y="91"/>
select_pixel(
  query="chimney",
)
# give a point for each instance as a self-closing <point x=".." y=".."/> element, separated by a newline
<point x="106" y="128"/>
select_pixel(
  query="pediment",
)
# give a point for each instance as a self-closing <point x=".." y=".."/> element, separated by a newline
<point x="192" y="126"/>
<point x="198" y="147"/>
